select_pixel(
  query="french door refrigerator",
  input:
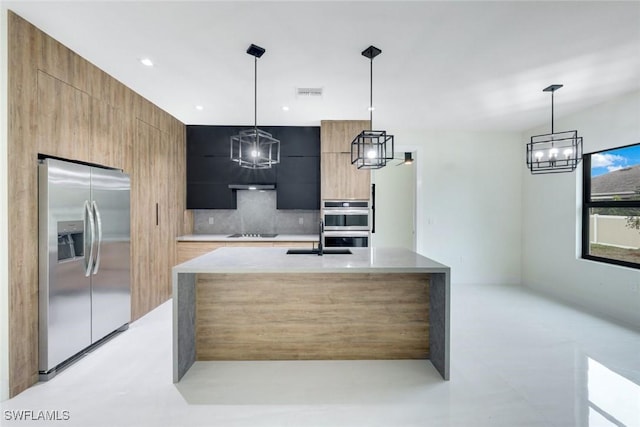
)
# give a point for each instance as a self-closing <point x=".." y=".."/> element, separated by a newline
<point x="84" y="259"/>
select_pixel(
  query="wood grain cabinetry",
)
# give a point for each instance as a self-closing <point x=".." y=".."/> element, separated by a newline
<point x="158" y="195"/>
<point x="336" y="135"/>
<point x="61" y="105"/>
<point x="341" y="179"/>
<point x="288" y="316"/>
<point x="189" y="250"/>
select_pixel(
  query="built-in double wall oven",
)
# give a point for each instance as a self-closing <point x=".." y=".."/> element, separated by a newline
<point x="346" y="223"/>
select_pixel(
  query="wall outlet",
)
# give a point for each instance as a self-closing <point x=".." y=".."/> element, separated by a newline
<point x="301" y="220"/>
<point x="210" y="220"/>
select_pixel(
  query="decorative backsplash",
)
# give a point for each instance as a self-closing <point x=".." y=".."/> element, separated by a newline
<point x="256" y="213"/>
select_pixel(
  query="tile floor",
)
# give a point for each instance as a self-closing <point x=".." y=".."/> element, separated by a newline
<point x="518" y="359"/>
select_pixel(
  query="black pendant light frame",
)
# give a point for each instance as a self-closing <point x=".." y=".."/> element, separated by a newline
<point x="371" y="149"/>
<point x="255" y="148"/>
<point x="555" y="152"/>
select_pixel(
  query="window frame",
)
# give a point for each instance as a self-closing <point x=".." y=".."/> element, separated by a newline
<point x="587" y="204"/>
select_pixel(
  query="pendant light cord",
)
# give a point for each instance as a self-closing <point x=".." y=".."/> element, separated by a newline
<point x="371" y="95"/>
<point x="552" y="111"/>
<point x="255" y="94"/>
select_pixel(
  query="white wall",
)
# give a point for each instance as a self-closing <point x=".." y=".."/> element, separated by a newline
<point x="468" y="212"/>
<point x="395" y="204"/>
<point x="551" y="220"/>
<point x="4" y="209"/>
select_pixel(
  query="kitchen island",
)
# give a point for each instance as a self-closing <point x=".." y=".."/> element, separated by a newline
<point x="259" y="303"/>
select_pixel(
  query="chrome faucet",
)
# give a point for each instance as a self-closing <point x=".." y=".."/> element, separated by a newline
<point x="320" y="237"/>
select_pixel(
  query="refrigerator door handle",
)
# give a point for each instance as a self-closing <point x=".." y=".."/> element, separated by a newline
<point x="98" y="222"/>
<point x="88" y="238"/>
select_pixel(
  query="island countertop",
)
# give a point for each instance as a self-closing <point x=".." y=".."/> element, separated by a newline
<point x="226" y="238"/>
<point x="271" y="260"/>
<point x="259" y="303"/>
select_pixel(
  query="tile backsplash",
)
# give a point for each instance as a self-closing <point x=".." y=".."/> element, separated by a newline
<point x="256" y="213"/>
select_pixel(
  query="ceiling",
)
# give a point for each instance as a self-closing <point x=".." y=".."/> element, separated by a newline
<point x="472" y="65"/>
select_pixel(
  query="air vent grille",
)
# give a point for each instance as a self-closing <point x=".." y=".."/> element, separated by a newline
<point x="309" y="91"/>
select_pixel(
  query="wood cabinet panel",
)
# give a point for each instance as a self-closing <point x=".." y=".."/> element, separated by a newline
<point x="61" y="105"/>
<point x="23" y="55"/>
<point x="153" y="218"/>
<point x="63" y="119"/>
<point x="339" y="178"/>
<point x="190" y="250"/>
<point x="336" y="135"/>
<point x="287" y="316"/>
<point x="108" y="135"/>
<point x="342" y="180"/>
<point x="143" y="221"/>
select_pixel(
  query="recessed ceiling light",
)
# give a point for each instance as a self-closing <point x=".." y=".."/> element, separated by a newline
<point x="147" y="62"/>
<point x="199" y="107"/>
<point x="285" y="108"/>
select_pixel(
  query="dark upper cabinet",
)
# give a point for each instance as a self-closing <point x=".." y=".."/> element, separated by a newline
<point x="210" y="169"/>
<point x="216" y="140"/>
<point x="209" y="195"/>
<point x="298" y="183"/>
<point x="209" y="140"/>
<point x="297" y="141"/>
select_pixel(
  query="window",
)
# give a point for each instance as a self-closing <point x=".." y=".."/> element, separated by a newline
<point x="611" y="206"/>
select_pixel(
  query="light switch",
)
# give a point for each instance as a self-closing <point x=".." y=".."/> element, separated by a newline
<point x="210" y="220"/>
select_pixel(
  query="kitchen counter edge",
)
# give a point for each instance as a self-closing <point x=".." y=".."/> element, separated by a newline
<point x="226" y="238"/>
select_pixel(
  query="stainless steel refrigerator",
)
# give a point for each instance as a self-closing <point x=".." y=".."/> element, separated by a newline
<point x="84" y="259"/>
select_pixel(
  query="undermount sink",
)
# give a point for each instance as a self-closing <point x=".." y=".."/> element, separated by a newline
<point x="330" y="251"/>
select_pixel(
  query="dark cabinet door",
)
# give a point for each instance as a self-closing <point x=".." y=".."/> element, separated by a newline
<point x="297" y="141"/>
<point x="298" y="185"/>
<point x="210" y="140"/>
<point x="210" y="169"/>
<point x="209" y="195"/>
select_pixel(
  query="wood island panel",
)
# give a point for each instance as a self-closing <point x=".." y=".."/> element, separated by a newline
<point x="289" y="316"/>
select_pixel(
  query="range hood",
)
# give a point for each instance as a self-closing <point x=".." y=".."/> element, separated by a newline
<point x="252" y="186"/>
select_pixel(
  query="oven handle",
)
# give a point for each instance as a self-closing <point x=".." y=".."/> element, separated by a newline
<point x="345" y="212"/>
<point x="346" y="234"/>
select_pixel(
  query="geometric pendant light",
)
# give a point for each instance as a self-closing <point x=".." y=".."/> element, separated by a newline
<point x="371" y="149"/>
<point x="554" y="152"/>
<point x="255" y="148"/>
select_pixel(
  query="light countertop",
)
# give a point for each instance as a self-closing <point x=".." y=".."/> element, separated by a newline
<point x="226" y="238"/>
<point x="273" y="260"/>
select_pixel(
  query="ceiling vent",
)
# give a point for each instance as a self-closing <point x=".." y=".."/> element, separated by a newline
<point x="309" y="91"/>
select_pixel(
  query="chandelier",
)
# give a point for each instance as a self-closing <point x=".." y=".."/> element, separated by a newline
<point x="556" y="151"/>
<point x="371" y="149"/>
<point x="255" y="148"/>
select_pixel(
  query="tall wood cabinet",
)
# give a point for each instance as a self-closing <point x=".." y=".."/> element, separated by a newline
<point x="61" y="105"/>
<point x="156" y="181"/>
<point x="339" y="178"/>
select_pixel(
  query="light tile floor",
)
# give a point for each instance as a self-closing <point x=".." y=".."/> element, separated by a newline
<point x="518" y="359"/>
